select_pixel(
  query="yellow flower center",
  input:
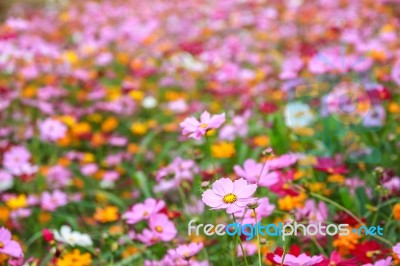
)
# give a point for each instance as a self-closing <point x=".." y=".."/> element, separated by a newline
<point x="229" y="198"/>
<point x="204" y="126"/>
<point x="1" y="245"/>
<point x="159" y="229"/>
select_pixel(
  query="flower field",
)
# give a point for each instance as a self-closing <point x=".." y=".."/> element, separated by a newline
<point x="169" y="133"/>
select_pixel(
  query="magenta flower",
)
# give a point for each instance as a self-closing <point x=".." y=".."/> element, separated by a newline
<point x="251" y="171"/>
<point x="229" y="195"/>
<point x="301" y="260"/>
<point x="162" y="227"/>
<point x="8" y="246"/>
<point x="143" y="211"/>
<point x="197" y="129"/>
<point x="52" y="130"/>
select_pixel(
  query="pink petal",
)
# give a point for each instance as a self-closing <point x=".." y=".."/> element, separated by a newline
<point x="242" y="189"/>
<point x="5" y="235"/>
<point x="13" y="249"/>
<point x="216" y="121"/>
<point x="211" y="199"/>
<point x="234" y="208"/>
<point x="205" y="117"/>
<point x="223" y="186"/>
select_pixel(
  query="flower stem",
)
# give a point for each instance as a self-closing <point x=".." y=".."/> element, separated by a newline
<point x="258" y="239"/>
<point x="240" y="242"/>
<point x="211" y="157"/>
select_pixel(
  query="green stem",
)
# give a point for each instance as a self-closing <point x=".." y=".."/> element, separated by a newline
<point x="337" y="205"/>
<point x="258" y="239"/>
<point x="240" y="242"/>
<point x="211" y="157"/>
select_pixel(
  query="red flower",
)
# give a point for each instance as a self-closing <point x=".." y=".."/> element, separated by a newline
<point x="294" y="250"/>
<point x="330" y="166"/>
<point x="369" y="251"/>
<point x="47" y="235"/>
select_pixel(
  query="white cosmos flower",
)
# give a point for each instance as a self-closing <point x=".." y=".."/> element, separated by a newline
<point x="298" y="114"/>
<point x="66" y="235"/>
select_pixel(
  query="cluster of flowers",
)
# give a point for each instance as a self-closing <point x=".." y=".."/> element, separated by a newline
<point x="120" y="121"/>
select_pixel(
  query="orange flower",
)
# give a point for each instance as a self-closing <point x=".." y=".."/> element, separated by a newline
<point x="109" y="124"/>
<point x="289" y="203"/>
<point x="396" y="211"/>
<point x="107" y="214"/>
<point x="345" y="243"/>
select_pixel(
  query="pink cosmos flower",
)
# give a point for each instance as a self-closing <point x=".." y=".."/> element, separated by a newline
<point x="249" y="249"/>
<point x="148" y="237"/>
<point x="396" y="249"/>
<point x="16" y="161"/>
<point x="197" y="129"/>
<point x="52" y="129"/>
<point x="229" y="195"/>
<point x="395" y="73"/>
<point x="301" y="260"/>
<point x="162" y="227"/>
<point x="143" y="211"/>
<point x="179" y="170"/>
<point x="51" y="201"/>
<point x="58" y="176"/>
<point x="8" y="246"/>
<point x="251" y="171"/>
<point x="383" y="262"/>
<point x="186" y="251"/>
<point x="283" y="161"/>
<point x="313" y="212"/>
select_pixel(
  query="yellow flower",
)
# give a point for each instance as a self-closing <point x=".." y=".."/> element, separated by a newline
<point x="107" y="214"/>
<point x="396" y="211"/>
<point x="136" y="95"/>
<point x="88" y="158"/>
<point x="75" y="258"/>
<point x="109" y="124"/>
<point x="308" y="160"/>
<point x="223" y="150"/>
<point x="113" y="93"/>
<point x="68" y="120"/>
<point x="335" y="178"/>
<point x="304" y="131"/>
<point x="138" y="128"/>
<point x="17" y="202"/>
<point x="319" y="187"/>
<point x="70" y="56"/>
